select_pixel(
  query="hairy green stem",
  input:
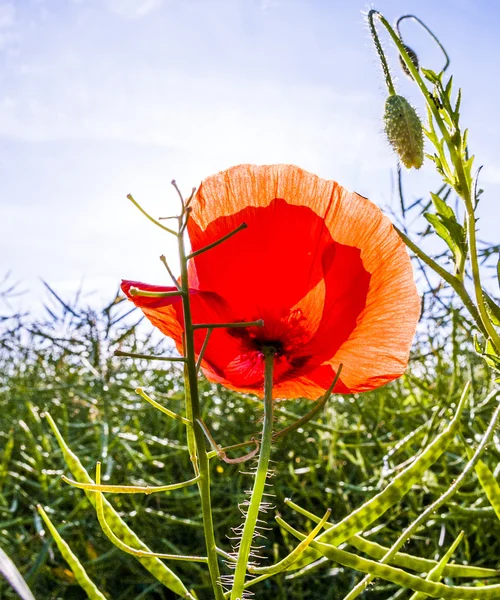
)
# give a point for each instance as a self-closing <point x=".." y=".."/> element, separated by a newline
<point x="455" y="283"/>
<point x="476" y="277"/>
<point x="194" y="413"/>
<point x="259" y="482"/>
<point x="464" y="188"/>
<point x="380" y="52"/>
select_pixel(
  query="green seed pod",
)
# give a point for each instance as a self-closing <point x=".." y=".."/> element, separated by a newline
<point x="404" y="131"/>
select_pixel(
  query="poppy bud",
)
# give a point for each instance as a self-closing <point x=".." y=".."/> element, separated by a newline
<point x="404" y="131"/>
<point x="414" y="59"/>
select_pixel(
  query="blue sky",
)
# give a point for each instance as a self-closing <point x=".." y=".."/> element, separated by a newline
<point x="100" y="98"/>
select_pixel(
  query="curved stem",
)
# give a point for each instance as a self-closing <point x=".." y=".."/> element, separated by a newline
<point x="194" y="413"/>
<point x="380" y="52"/>
<point x="148" y="216"/>
<point x="476" y="277"/>
<point x="463" y="189"/>
<point x="433" y="36"/>
<point x="455" y="283"/>
<point x="259" y="483"/>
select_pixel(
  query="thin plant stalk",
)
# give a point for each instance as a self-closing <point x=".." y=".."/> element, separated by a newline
<point x="194" y="413"/>
<point x="423" y="517"/>
<point x="464" y="189"/>
<point x="259" y="482"/>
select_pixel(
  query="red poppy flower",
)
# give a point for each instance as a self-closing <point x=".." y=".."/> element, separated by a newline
<point x="324" y="269"/>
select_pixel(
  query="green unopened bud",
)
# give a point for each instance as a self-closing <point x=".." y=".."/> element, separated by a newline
<point x="404" y="131"/>
<point x="414" y="59"/>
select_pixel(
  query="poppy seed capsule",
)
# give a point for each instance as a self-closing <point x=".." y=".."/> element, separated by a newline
<point x="404" y="131"/>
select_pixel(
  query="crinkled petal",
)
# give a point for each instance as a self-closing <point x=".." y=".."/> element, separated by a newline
<point x="358" y="293"/>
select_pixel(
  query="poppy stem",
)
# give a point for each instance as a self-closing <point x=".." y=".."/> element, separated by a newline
<point x="433" y="36"/>
<point x="196" y="436"/>
<point x="149" y="356"/>
<point x="162" y="409"/>
<point x="134" y="291"/>
<point x="234" y="447"/>
<point x="260" y="480"/>
<point x="169" y="270"/>
<point x="148" y="216"/>
<point x="314" y="411"/>
<point x="258" y="323"/>
<point x="203" y="348"/>
<point x="220" y="452"/>
<point x="380" y="51"/>
<point x="222" y="239"/>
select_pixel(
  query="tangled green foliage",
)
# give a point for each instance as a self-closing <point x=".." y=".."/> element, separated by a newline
<point x="65" y="365"/>
<point x="357" y="447"/>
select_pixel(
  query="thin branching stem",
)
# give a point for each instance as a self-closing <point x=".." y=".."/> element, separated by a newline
<point x="220" y="241"/>
<point x="193" y="414"/>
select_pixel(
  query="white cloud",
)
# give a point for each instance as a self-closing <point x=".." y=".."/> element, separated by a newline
<point x="7" y="15"/>
<point x="133" y="9"/>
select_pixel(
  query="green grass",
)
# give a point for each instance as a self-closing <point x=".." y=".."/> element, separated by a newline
<point x="65" y="365"/>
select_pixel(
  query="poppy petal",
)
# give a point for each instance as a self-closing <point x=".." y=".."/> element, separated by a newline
<point x="266" y="268"/>
<point x="362" y="308"/>
<point x="323" y="267"/>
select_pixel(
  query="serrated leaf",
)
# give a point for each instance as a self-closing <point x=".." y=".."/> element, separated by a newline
<point x="456" y="112"/>
<point x="441" y="207"/>
<point x="465" y="137"/>
<point x="448" y="229"/>
<point x="447" y="118"/>
<point x="431" y="75"/>
<point x="477" y="345"/>
<point x="493" y="309"/>
<point x="492" y="361"/>
<point x="468" y="165"/>
<point x="448" y="87"/>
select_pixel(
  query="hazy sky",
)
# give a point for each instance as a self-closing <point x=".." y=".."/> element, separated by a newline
<point x="99" y="98"/>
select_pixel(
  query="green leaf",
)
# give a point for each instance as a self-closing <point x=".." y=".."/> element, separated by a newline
<point x="448" y="87"/>
<point x="441" y="207"/>
<point x="442" y="231"/>
<point x="456" y="112"/>
<point x="448" y="229"/>
<point x="431" y="75"/>
<point x="493" y="309"/>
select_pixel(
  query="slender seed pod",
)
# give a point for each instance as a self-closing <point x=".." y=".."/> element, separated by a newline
<point x="155" y="566"/>
<point x="404" y="131"/>
<point x="76" y="566"/>
<point x="365" y="515"/>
